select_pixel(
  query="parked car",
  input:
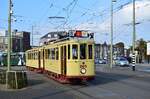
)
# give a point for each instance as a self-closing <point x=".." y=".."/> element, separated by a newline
<point x="100" y="61"/>
<point x="96" y="61"/>
<point x="122" y="62"/>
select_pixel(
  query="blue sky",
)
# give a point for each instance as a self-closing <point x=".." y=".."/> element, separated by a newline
<point x="79" y="14"/>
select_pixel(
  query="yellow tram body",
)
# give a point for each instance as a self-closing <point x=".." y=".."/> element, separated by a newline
<point x="72" y="58"/>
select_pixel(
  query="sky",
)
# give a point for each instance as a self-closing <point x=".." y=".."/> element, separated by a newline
<point x="93" y="15"/>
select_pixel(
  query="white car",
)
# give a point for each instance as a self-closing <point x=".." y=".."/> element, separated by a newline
<point x="122" y="62"/>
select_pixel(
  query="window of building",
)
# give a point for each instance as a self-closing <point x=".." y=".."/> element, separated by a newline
<point x="55" y="35"/>
<point x="74" y="51"/>
<point x="49" y="35"/>
<point x="90" y="51"/>
<point x="82" y="51"/>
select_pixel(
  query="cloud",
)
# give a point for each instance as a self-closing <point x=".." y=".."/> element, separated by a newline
<point x="123" y="24"/>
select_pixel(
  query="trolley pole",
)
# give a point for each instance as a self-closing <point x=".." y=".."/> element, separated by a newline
<point x="134" y="38"/>
<point x="111" y="35"/>
<point x="9" y="35"/>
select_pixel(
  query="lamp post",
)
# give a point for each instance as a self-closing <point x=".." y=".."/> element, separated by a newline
<point x="9" y="35"/>
<point x="134" y="38"/>
<point x="111" y="23"/>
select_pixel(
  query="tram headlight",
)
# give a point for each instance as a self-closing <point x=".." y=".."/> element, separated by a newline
<point x="83" y="70"/>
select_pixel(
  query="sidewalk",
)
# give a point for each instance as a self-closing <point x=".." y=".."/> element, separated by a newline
<point x="145" y="64"/>
<point x="121" y="70"/>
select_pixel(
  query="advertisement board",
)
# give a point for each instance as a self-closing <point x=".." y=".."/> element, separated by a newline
<point x="148" y="48"/>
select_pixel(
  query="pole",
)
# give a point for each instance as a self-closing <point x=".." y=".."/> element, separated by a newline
<point x="111" y="36"/>
<point x="9" y="36"/>
<point x="134" y="35"/>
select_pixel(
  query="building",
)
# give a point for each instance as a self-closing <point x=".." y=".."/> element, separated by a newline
<point x="118" y="49"/>
<point x="20" y="41"/>
<point x="3" y="43"/>
<point x="102" y="51"/>
<point x="23" y="41"/>
<point x="51" y="36"/>
<point x="3" y="40"/>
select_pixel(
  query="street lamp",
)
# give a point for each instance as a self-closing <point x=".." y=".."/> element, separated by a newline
<point x="134" y="38"/>
<point x="111" y="23"/>
<point x="9" y="35"/>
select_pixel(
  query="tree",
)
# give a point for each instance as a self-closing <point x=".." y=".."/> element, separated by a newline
<point x="141" y="48"/>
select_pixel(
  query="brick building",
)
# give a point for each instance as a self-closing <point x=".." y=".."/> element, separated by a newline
<point x="20" y="41"/>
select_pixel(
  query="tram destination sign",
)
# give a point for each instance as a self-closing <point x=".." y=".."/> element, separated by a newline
<point x="148" y="48"/>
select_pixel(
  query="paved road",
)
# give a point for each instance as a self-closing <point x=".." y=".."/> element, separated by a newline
<point x="116" y="83"/>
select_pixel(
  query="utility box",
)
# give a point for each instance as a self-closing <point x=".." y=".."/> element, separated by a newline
<point x="16" y="79"/>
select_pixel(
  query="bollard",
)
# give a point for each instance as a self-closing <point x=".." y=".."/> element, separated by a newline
<point x="133" y="62"/>
<point x="133" y="68"/>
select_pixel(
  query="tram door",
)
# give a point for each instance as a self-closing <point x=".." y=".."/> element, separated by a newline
<point x="63" y="60"/>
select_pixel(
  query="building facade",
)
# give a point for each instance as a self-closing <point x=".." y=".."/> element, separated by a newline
<point x="51" y="36"/>
<point x="102" y="51"/>
<point x="20" y="41"/>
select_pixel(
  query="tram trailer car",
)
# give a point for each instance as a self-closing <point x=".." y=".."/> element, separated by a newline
<point x="65" y="61"/>
<point x="16" y="59"/>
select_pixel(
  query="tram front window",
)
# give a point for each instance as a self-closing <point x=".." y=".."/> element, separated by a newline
<point x="90" y="51"/>
<point x="83" y="51"/>
<point x="75" y="51"/>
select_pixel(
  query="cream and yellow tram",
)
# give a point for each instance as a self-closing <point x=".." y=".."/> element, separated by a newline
<point x="64" y="60"/>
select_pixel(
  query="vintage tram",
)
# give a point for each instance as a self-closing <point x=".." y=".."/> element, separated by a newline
<point x="17" y="59"/>
<point x="68" y="59"/>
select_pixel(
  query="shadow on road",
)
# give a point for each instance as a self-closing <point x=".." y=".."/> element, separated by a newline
<point x="104" y="78"/>
<point x="32" y="82"/>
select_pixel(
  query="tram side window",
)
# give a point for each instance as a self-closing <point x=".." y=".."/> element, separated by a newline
<point x="45" y="53"/>
<point x="48" y="54"/>
<point x="41" y="56"/>
<point x="68" y="51"/>
<point x="33" y="55"/>
<point x="83" y="51"/>
<point x="57" y="54"/>
<point x="36" y="55"/>
<point x="53" y="53"/>
<point x="28" y="55"/>
<point x="90" y="51"/>
<point x="75" y="51"/>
